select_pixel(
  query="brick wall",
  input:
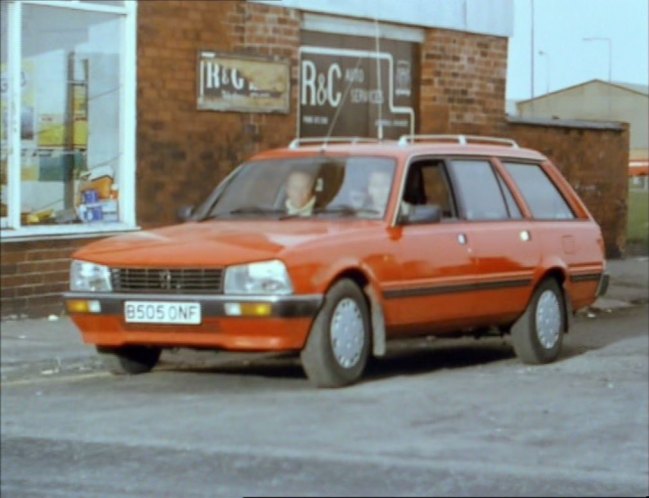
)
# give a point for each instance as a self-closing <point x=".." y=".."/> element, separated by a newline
<point x="34" y="274"/>
<point x="463" y="79"/>
<point x="594" y="159"/>
<point x="182" y="153"/>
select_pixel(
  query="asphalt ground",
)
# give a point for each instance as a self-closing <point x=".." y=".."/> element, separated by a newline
<point x="53" y="346"/>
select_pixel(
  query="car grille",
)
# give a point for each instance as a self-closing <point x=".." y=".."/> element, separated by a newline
<point x="173" y="281"/>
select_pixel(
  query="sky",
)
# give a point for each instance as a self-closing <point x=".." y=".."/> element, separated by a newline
<point x="559" y="29"/>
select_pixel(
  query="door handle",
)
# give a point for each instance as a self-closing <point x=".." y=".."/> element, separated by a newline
<point x="525" y="235"/>
<point x="461" y="238"/>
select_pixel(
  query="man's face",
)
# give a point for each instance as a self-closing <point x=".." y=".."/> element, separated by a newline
<point x="298" y="189"/>
<point x="379" y="189"/>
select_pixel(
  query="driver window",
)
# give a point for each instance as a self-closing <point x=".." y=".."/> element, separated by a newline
<point x="427" y="183"/>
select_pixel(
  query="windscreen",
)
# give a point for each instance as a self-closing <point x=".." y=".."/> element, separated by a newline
<point x="307" y="188"/>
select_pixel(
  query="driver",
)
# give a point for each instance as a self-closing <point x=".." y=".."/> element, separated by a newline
<point x="299" y="192"/>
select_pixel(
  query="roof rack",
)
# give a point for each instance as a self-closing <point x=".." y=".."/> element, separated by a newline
<point x="297" y="142"/>
<point x="461" y="139"/>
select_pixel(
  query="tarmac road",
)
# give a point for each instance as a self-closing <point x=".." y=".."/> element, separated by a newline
<point x="450" y="417"/>
<point x="458" y="417"/>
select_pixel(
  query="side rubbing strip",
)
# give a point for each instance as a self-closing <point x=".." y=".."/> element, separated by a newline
<point x="450" y="289"/>
<point x="586" y="277"/>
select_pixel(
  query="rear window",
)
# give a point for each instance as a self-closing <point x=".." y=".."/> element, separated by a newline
<point x="541" y="195"/>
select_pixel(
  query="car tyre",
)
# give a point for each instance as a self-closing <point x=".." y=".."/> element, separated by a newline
<point x="129" y="360"/>
<point x="338" y="346"/>
<point x="538" y="334"/>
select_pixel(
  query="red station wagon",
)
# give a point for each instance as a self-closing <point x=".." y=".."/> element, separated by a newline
<point x="332" y="247"/>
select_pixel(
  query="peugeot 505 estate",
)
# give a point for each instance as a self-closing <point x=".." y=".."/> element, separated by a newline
<point x="330" y="248"/>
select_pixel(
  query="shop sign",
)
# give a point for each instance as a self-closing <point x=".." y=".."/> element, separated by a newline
<point x="240" y="83"/>
<point x="349" y="87"/>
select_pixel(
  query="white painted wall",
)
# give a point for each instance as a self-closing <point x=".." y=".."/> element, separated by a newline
<point x="492" y="17"/>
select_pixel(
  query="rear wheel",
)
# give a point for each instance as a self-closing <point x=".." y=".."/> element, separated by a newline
<point x="339" y="342"/>
<point x="129" y="359"/>
<point x="538" y="334"/>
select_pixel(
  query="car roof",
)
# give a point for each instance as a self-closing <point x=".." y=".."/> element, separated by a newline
<point x="445" y="145"/>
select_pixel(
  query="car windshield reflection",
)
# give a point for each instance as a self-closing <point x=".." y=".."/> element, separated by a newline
<point x="353" y="187"/>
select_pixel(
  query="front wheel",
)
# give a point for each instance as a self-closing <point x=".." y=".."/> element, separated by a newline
<point x="339" y="342"/>
<point x="538" y="334"/>
<point x="130" y="359"/>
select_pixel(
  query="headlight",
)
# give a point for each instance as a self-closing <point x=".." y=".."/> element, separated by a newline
<point x="269" y="277"/>
<point x="89" y="277"/>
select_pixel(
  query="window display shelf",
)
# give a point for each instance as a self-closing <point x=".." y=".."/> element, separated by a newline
<point x="72" y="231"/>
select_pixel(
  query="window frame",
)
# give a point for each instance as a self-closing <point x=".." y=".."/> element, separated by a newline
<point x="411" y="162"/>
<point x="10" y="226"/>
<point x="504" y="190"/>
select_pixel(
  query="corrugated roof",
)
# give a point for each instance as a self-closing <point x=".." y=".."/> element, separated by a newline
<point x="634" y="87"/>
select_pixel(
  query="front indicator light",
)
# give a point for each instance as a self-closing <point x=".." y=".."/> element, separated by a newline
<point x="83" y="306"/>
<point x="248" y="309"/>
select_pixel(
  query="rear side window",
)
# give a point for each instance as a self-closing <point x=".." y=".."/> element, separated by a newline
<point x="541" y="195"/>
<point x="478" y="187"/>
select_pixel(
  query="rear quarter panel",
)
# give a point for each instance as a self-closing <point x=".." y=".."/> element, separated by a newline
<point x="573" y="247"/>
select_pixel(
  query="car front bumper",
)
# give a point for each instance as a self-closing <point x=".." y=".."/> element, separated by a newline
<point x="283" y="326"/>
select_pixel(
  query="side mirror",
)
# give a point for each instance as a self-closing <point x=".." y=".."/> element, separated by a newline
<point x="421" y="214"/>
<point x="185" y="213"/>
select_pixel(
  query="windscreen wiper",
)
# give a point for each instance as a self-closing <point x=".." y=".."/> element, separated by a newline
<point x="256" y="210"/>
<point x="245" y="210"/>
<point x="345" y="210"/>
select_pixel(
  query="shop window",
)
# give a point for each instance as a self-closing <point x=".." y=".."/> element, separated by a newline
<point x="116" y="3"/>
<point x="73" y="161"/>
<point x="4" y="91"/>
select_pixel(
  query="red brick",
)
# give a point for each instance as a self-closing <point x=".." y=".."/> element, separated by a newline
<point x="13" y="257"/>
<point x="463" y="91"/>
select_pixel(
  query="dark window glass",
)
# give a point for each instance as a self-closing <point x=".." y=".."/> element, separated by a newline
<point x="541" y="195"/>
<point x="427" y="184"/>
<point x="478" y="187"/>
<point x="437" y="189"/>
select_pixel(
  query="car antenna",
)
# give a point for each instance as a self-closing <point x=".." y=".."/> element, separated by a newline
<point x="340" y="105"/>
<point x="379" y="101"/>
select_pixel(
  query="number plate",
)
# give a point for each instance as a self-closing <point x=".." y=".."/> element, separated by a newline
<point x="157" y="312"/>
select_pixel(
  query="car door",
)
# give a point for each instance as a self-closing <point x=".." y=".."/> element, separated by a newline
<point x="435" y="268"/>
<point x="504" y="250"/>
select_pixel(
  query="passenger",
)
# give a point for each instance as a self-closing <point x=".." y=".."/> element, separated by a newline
<point x="299" y="192"/>
<point x="357" y="197"/>
<point x="378" y="188"/>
